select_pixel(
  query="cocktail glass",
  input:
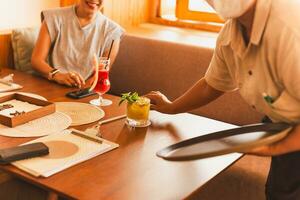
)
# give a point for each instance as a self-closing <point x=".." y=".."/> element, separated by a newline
<point x="103" y="83"/>
<point x="138" y="112"/>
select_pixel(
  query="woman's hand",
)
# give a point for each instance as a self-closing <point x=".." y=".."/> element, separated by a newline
<point x="160" y="102"/>
<point x="290" y="143"/>
<point x="71" y="79"/>
<point x="89" y="82"/>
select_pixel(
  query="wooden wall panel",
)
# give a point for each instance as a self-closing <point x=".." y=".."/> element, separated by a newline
<point x="6" y="52"/>
<point x="66" y="2"/>
<point x="125" y="12"/>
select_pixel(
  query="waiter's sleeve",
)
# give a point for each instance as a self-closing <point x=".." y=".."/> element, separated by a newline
<point x="218" y="74"/>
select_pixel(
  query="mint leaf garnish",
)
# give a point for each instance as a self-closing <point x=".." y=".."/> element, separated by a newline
<point x="130" y="97"/>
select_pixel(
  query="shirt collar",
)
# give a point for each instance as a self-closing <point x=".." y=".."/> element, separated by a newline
<point x="262" y="11"/>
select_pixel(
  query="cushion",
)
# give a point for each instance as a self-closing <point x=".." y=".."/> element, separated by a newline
<point x="23" y="41"/>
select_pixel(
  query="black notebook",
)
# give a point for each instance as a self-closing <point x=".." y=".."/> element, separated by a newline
<point x="23" y="152"/>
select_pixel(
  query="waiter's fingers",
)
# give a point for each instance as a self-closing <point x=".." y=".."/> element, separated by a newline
<point x="259" y="151"/>
<point x="153" y="107"/>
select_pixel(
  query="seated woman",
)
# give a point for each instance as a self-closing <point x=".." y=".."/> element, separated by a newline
<point x="69" y="37"/>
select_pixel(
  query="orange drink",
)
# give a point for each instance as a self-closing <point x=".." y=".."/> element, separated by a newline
<point x="138" y="112"/>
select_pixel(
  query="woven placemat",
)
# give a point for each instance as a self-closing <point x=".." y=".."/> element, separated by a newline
<point x="80" y="113"/>
<point x="47" y="125"/>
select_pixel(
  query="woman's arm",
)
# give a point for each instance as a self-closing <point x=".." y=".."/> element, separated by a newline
<point x="41" y="51"/>
<point x="39" y="57"/>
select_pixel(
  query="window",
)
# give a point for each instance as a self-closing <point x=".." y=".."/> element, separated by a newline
<point x="195" y="11"/>
<point x="202" y="6"/>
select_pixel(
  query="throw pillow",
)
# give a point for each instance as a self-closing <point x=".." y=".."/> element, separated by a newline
<point x="23" y="41"/>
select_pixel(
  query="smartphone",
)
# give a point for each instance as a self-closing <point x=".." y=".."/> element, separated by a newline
<point x="78" y="94"/>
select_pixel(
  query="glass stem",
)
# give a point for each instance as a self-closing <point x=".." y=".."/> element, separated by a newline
<point x="100" y="99"/>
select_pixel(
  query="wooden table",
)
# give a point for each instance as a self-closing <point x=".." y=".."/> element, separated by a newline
<point x="132" y="171"/>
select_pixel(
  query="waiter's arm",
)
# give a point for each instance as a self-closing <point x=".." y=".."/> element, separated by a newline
<point x="289" y="144"/>
<point x="198" y="95"/>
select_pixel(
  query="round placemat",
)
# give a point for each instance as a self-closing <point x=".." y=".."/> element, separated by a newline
<point x="53" y="123"/>
<point x="80" y="113"/>
<point x="24" y="93"/>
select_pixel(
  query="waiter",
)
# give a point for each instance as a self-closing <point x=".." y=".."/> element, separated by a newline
<point x="258" y="53"/>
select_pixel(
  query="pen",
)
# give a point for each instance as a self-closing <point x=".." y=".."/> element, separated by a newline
<point x="112" y="119"/>
<point x="80" y="134"/>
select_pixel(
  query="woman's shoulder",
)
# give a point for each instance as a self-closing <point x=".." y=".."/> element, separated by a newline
<point x="106" y="22"/>
<point x="59" y="12"/>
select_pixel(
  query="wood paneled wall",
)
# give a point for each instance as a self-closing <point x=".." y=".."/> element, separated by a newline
<point x="6" y="52"/>
<point x="125" y="12"/>
<point x="66" y="2"/>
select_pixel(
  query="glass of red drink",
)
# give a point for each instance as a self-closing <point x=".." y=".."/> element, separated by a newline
<point x="103" y="83"/>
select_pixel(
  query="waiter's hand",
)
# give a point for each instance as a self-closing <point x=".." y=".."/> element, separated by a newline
<point x="71" y="79"/>
<point x="290" y="143"/>
<point x="160" y="102"/>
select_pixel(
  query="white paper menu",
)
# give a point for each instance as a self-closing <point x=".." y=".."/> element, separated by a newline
<point x="66" y="150"/>
<point x="5" y="87"/>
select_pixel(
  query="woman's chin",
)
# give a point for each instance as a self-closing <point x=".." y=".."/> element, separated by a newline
<point x="90" y="10"/>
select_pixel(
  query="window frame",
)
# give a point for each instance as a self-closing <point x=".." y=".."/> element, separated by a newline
<point x="183" y="13"/>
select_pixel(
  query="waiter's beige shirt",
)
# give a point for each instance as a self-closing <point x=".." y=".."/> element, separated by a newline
<point x="268" y="65"/>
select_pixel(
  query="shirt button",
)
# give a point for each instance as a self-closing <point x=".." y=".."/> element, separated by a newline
<point x="250" y="72"/>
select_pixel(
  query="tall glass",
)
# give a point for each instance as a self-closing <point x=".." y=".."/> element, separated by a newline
<point x="103" y="83"/>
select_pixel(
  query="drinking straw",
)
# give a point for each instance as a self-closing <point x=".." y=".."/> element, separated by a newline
<point x="112" y="43"/>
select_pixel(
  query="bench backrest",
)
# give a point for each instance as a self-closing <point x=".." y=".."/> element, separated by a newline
<point x="144" y="65"/>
